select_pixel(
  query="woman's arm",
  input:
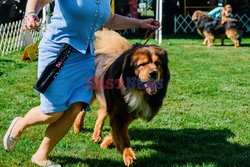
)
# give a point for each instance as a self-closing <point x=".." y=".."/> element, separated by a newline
<point x="118" y="22"/>
<point x="33" y="7"/>
<point x="215" y="12"/>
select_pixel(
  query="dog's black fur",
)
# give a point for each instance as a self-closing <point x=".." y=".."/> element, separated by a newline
<point x="214" y="26"/>
<point x="119" y="108"/>
<point x="210" y="25"/>
<point x="122" y="66"/>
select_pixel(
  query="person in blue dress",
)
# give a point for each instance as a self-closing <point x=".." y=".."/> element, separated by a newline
<point x="73" y="22"/>
<point x="222" y="13"/>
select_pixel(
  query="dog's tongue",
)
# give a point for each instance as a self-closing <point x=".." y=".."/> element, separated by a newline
<point x="151" y="88"/>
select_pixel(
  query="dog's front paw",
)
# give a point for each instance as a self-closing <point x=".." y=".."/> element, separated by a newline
<point x="128" y="156"/>
<point x="96" y="138"/>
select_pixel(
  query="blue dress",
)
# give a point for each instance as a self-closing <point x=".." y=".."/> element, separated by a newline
<point x="73" y="22"/>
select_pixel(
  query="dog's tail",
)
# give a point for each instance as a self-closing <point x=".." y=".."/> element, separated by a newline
<point x="109" y="42"/>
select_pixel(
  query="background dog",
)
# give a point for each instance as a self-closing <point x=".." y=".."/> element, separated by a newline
<point x="135" y="79"/>
<point x="211" y="28"/>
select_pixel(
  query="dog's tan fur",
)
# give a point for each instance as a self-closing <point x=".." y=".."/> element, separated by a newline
<point x="110" y="42"/>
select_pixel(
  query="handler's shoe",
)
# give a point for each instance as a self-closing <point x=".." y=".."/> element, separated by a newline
<point x="9" y="141"/>
<point x="49" y="163"/>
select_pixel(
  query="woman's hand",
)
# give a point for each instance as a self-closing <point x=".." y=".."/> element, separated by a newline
<point x="31" y="22"/>
<point x="150" y="24"/>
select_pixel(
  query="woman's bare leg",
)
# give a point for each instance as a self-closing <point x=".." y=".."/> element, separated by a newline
<point x="34" y="117"/>
<point x="55" y="132"/>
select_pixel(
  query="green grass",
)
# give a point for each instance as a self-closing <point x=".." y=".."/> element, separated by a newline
<point x="205" y="119"/>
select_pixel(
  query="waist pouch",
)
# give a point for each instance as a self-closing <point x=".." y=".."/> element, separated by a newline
<point x="52" y="69"/>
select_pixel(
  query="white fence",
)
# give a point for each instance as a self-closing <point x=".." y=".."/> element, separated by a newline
<point x="185" y="25"/>
<point x="12" y="37"/>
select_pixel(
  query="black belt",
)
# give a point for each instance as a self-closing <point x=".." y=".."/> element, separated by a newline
<point x="52" y="69"/>
<point x="74" y="50"/>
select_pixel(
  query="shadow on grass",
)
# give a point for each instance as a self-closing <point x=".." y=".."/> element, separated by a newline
<point x="88" y="161"/>
<point x="6" y="61"/>
<point x="245" y="45"/>
<point x="231" y="45"/>
<point x="190" y="146"/>
<point x="177" y="148"/>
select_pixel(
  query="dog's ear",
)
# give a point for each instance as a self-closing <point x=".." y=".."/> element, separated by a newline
<point x="128" y="70"/>
<point x="128" y="64"/>
<point x="161" y="53"/>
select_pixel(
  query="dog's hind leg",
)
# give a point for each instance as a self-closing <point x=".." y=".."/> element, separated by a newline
<point x="102" y="114"/>
<point x="78" y="124"/>
<point x="222" y="37"/>
<point x="236" y="43"/>
<point x="107" y="141"/>
<point x="210" y="38"/>
<point x="233" y="34"/>
<point x="205" y="41"/>
<point x="210" y="41"/>
<point x="222" y="41"/>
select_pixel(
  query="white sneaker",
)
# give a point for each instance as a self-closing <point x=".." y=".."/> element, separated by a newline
<point x="8" y="141"/>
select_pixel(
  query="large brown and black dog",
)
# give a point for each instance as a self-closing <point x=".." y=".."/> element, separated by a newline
<point x="211" y="28"/>
<point x="133" y="81"/>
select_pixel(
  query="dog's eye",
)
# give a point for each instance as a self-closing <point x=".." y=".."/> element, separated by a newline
<point x="157" y="63"/>
<point x="139" y="65"/>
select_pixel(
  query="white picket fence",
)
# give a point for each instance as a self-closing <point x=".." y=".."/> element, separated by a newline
<point x="185" y="24"/>
<point x="12" y="37"/>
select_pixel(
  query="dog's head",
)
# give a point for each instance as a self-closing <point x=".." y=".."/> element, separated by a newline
<point x="198" y="14"/>
<point x="148" y="65"/>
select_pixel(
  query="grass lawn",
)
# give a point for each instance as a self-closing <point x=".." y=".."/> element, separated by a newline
<point x="205" y="119"/>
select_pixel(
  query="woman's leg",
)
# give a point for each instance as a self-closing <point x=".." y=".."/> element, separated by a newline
<point x="34" y="117"/>
<point x="55" y="132"/>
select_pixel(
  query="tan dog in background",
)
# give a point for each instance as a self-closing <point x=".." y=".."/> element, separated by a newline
<point x="211" y="28"/>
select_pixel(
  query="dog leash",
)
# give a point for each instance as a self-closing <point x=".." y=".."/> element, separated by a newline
<point x="150" y="32"/>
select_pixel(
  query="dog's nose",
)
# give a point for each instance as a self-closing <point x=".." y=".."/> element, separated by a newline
<point x="153" y="74"/>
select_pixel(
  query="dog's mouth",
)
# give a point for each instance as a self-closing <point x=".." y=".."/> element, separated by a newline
<point x="150" y="87"/>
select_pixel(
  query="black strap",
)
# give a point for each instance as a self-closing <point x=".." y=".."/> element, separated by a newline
<point x="52" y="69"/>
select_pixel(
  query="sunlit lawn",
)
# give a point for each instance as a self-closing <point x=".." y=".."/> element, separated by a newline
<point x="205" y="119"/>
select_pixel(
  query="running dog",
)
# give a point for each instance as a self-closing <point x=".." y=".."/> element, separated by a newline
<point x="130" y="82"/>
